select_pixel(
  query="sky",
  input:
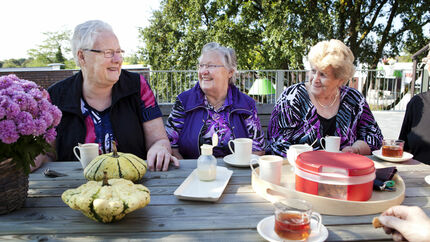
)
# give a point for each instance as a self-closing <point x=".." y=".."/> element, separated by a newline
<point x="23" y="22"/>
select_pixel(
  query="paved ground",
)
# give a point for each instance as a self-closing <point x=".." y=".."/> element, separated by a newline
<point x="390" y="122"/>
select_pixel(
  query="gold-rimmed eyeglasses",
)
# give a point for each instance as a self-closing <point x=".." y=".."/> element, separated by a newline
<point x="208" y="66"/>
<point x="108" y="53"/>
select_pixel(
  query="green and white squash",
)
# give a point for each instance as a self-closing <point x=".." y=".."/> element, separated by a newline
<point x="108" y="200"/>
<point x="117" y="165"/>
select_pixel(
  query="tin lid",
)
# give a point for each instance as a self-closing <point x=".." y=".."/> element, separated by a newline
<point x="331" y="162"/>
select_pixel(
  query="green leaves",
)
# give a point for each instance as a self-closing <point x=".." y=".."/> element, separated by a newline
<point x="24" y="151"/>
<point x="54" y="49"/>
<point x="277" y="34"/>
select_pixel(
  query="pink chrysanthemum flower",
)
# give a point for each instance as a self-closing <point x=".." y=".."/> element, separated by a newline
<point x="27" y="118"/>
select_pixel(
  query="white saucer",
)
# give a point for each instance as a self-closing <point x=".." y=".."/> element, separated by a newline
<point x="406" y="156"/>
<point x="427" y="179"/>
<point x="229" y="159"/>
<point x="266" y="229"/>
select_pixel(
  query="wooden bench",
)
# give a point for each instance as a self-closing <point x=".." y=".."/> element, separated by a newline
<point x="264" y="112"/>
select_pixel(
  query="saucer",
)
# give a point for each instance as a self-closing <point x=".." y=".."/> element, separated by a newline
<point x="229" y="159"/>
<point x="266" y="229"/>
<point x="406" y="156"/>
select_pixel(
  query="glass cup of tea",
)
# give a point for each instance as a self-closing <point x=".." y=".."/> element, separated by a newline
<point x="392" y="148"/>
<point x="293" y="219"/>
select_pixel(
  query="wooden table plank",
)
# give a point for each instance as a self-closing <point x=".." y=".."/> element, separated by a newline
<point x="213" y="235"/>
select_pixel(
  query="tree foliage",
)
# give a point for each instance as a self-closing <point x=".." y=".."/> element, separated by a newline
<point x="12" y="63"/>
<point x="54" y="49"/>
<point x="277" y="34"/>
<point x="133" y="59"/>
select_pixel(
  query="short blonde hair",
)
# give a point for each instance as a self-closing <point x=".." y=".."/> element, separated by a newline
<point x="333" y="53"/>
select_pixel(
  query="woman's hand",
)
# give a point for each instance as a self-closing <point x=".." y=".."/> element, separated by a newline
<point x="39" y="160"/>
<point x="359" y="147"/>
<point x="159" y="152"/>
<point x="159" y="156"/>
<point x="403" y="222"/>
<point x="259" y="153"/>
<point x="175" y="153"/>
<point x="350" y="149"/>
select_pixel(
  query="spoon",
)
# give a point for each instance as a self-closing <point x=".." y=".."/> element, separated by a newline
<point x="314" y="142"/>
<point x="214" y="140"/>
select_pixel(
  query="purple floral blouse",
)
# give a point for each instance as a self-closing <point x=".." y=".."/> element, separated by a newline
<point x="294" y="120"/>
<point x="216" y="123"/>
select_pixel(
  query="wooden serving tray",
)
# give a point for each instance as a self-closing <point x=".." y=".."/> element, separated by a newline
<point x="379" y="202"/>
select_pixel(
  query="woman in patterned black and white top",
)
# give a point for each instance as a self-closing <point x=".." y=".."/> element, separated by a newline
<point x="306" y="112"/>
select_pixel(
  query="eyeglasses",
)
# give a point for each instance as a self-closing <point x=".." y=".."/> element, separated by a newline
<point x="108" y="53"/>
<point x="208" y="66"/>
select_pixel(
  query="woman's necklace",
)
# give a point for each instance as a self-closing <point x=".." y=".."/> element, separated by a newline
<point x="217" y="105"/>
<point x="331" y="104"/>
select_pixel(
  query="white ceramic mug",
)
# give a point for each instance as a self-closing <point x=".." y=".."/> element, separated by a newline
<point x="296" y="150"/>
<point x="87" y="153"/>
<point x="242" y="150"/>
<point x="270" y="168"/>
<point x="332" y="143"/>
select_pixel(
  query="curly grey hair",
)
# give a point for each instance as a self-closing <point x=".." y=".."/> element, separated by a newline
<point x="228" y="56"/>
<point x="85" y="35"/>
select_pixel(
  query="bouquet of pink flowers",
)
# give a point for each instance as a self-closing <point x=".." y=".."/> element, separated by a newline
<point x="27" y="121"/>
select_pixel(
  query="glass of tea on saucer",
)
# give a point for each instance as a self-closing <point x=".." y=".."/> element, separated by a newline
<point x="293" y="219"/>
<point x="392" y="148"/>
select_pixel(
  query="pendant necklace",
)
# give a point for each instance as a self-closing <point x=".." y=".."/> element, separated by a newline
<point x="217" y="105"/>
<point x="331" y="104"/>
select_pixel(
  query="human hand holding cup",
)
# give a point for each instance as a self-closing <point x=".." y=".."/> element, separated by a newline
<point x="242" y="150"/>
<point x="332" y="143"/>
<point x="87" y="152"/>
<point x="293" y="219"/>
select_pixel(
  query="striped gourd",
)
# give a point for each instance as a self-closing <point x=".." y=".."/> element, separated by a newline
<point x="116" y="165"/>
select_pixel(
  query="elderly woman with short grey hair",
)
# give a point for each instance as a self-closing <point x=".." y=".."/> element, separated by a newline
<point x="213" y="105"/>
<point x="103" y="103"/>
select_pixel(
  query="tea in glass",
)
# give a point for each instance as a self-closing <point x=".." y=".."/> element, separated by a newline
<point x="293" y="219"/>
<point x="392" y="148"/>
<point x="292" y="225"/>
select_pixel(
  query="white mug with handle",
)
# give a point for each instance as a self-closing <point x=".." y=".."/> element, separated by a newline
<point x="87" y="153"/>
<point x="295" y="150"/>
<point x="332" y="143"/>
<point x="270" y="168"/>
<point x="242" y="150"/>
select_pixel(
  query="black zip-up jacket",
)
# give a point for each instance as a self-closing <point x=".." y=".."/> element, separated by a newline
<point x="125" y="113"/>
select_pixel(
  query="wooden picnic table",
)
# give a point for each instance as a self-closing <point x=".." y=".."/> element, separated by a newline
<point x="233" y="218"/>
